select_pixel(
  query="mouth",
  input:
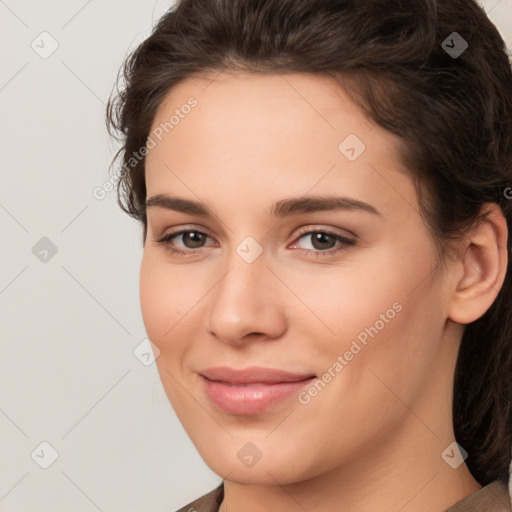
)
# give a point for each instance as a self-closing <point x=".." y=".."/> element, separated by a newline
<point x="251" y="390"/>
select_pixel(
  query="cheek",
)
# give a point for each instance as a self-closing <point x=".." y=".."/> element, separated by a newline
<point x="339" y="303"/>
<point x="166" y="298"/>
<point x="389" y="345"/>
<point x="152" y="298"/>
<point x="370" y="362"/>
<point x="375" y="313"/>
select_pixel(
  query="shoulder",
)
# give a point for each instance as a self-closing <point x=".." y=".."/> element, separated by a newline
<point x="209" y="502"/>
<point x="493" y="497"/>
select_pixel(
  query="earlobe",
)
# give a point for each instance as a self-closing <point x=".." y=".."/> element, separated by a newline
<point x="483" y="266"/>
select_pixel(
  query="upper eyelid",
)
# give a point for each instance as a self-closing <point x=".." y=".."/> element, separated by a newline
<point x="328" y="230"/>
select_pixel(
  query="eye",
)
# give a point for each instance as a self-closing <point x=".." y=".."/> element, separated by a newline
<point x="191" y="241"/>
<point x="318" y="242"/>
<point x="322" y="242"/>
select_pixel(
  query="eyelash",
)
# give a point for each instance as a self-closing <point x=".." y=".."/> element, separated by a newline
<point x="165" y="242"/>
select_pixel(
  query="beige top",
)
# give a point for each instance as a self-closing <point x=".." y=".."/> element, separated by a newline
<point x="491" y="498"/>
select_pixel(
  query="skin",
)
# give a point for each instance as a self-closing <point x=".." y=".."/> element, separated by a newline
<point x="372" y="439"/>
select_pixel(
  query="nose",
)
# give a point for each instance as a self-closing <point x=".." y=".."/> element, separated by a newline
<point x="246" y="303"/>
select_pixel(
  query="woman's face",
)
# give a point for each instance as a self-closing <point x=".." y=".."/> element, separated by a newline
<point x="305" y="253"/>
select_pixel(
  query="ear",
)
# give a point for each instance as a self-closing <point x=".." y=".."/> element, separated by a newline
<point x="481" y="269"/>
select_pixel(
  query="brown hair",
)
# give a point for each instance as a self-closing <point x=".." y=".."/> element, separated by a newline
<point x="453" y="114"/>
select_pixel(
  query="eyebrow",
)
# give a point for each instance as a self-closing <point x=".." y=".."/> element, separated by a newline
<point x="280" y="209"/>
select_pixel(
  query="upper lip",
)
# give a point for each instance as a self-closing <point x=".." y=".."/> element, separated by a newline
<point x="253" y="374"/>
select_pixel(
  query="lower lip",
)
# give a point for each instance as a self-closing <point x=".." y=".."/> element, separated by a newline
<point x="250" y="398"/>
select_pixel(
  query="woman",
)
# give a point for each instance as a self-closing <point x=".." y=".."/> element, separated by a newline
<point x="324" y="192"/>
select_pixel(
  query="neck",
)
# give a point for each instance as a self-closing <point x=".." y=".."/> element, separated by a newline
<point x="404" y="480"/>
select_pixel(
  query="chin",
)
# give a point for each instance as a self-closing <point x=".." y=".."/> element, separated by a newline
<point x="274" y="470"/>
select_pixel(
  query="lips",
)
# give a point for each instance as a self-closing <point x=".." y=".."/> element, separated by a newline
<point x="250" y="390"/>
<point x="254" y="374"/>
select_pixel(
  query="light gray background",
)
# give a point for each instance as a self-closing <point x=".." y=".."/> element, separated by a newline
<point x="69" y="326"/>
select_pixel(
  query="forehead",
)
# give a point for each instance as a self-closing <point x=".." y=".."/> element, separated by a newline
<point x="260" y="134"/>
<point x="316" y="101"/>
